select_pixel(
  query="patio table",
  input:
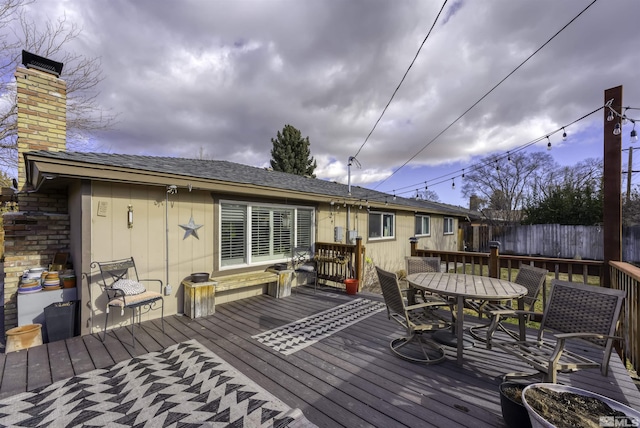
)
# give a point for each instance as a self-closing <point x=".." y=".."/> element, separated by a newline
<point x="463" y="286"/>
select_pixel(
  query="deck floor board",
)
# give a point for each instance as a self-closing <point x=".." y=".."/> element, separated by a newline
<point x="348" y="379"/>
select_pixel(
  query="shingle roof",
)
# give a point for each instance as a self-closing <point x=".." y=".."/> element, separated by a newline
<point x="237" y="173"/>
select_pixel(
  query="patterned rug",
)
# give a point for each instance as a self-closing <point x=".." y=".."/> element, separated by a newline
<point x="299" y="334"/>
<point x="186" y="385"/>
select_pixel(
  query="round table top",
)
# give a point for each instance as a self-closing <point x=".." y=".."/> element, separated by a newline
<point x="469" y="286"/>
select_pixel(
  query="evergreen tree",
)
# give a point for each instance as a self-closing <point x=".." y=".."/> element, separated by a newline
<point x="291" y="153"/>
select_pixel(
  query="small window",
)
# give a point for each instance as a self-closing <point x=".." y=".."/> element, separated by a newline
<point x="423" y="225"/>
<point x="381" y="225"/>
<point x="448" y="225"/>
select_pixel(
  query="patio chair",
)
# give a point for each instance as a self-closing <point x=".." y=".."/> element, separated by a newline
<point x="302" y="261"/>
<point x="423" y="264"/>
<point x="574" y="311"/>
<point x="125" y="290"/>
<point x="417" y="320"/>
<point x="531" y="277"/>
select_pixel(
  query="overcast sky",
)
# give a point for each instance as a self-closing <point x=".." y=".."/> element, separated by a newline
<point x="223" y="77"/>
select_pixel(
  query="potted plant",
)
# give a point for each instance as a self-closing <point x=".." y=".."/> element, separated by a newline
<point x="554" y="405"/>
<point x="513" y="411"/>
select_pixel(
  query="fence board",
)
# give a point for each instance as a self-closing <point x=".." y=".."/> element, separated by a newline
<point x="552" y="240"/>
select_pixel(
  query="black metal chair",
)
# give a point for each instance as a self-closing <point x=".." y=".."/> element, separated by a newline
<point x="125" y="290"/>
<point x="302" y="261"/>
<point x="417" y="320"/>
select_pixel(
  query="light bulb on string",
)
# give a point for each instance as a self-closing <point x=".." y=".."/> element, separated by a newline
<point x="624" y="116"/>
<point x="548" y="143"/>
<point x="634" y="134"/>
<point x="462" y="172"/>
<point x="453" y="184"/>
<point x="426" y="186"/>
<point x="394" y="195"/>
<point x="508" y="157"/>
<point x="497" y="165"/>
<point x="610" y="116"/>
<point x="564" y="134"/>
<point x="385" y="201"/>
<point x="617" y="130"/>
<point x="417" y="194"/>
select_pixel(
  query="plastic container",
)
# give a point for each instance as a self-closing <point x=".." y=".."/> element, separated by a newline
<point x="351" y="285"/>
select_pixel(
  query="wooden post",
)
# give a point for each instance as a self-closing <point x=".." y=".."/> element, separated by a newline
<point x="494" y="259"/>
<point x="414" y="246"/>
<point x="359" y="260"/>
<point x="612" y="182"/>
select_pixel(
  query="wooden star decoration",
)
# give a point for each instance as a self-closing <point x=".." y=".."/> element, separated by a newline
<point x="191" y="228"/>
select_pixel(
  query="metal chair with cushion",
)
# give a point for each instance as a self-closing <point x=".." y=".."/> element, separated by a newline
<point x="531" y="277"/>
<point x="302" y="261"/>
<point x="125" y="290"/>
<point x="575" y="312"/>
<point x="416" y="319"/>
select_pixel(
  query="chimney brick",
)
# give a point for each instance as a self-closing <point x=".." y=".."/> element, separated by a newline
<point x="42" y="121"/>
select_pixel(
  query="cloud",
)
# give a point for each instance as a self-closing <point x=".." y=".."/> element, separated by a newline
<point x="222" y="77"/>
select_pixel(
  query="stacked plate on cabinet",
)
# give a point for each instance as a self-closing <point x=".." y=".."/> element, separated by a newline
<point x="51" y="281"/>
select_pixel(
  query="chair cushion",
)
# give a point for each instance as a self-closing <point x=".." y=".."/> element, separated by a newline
<point x="129" y="287"/>
<point x="135" y="299"/>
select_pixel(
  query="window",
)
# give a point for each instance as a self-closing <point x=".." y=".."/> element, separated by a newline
<point x="423" y="225"/>
<point x="448" y="225"/>
<point x="255" y="234"/>
<point x="381" y="225"/>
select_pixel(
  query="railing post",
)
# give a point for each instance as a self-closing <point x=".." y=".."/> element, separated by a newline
<point x="359" y="259"/>
<point x="494" y="260"/>
<point x="414" y="246"/>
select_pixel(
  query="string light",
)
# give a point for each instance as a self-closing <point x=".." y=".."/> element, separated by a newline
<point x="497" y="165"/>
<point x="385" y="201"/>
<point x="624" y="116"/>
<point x="394" y="195"/>
<point x="462" y="172"/>
<point x="509" y="157"/>
<point x="453" y="184"/>
<point x="426" y="186"/>
<point x="564" y="134"/>
<point x="549" y="143"/>
<point x="610" y="116"/>
<point x="617" y="130"/>
<point x="417" y="194"/>
<point x="634" y="134"/>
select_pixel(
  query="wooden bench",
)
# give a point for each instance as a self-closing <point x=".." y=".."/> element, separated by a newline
<point x="242" y="280"/>
<point x="200" y="298"/>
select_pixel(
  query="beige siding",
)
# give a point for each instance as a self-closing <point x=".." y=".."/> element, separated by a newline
<point x="146" y="241"/>
<point x="387" y="253"/>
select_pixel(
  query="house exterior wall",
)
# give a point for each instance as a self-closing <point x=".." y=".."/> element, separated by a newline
<point x="146" y="240"/>
<point x="389" y="253"/>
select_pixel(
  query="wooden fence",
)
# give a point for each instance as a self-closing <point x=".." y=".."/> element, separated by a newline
<point x="551" y="240"/>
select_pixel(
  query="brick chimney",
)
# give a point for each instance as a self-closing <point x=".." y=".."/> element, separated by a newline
<point x="42" y="108"/>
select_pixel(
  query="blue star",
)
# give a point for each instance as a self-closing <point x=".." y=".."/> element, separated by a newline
<point x="191" y="228"/>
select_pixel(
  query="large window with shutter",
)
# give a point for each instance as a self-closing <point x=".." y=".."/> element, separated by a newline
<point x="262" y="233"/>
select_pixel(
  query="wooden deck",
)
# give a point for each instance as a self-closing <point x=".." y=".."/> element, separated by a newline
<point x="349" y="379"/>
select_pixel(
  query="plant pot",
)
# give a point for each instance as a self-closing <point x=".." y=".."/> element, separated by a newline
<point x="24" y="337"/>
<point x="513" y="410"/>
<point x="351" y="285"/>
<point x="544" y="420"/>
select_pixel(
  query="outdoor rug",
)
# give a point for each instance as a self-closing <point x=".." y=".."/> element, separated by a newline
<point x="186" y="385"/>
<point x="299" y="334"/>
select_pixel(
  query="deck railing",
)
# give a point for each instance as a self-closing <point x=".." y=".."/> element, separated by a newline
<point x="625" y="276"/>
<point x="337" y="262"/>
